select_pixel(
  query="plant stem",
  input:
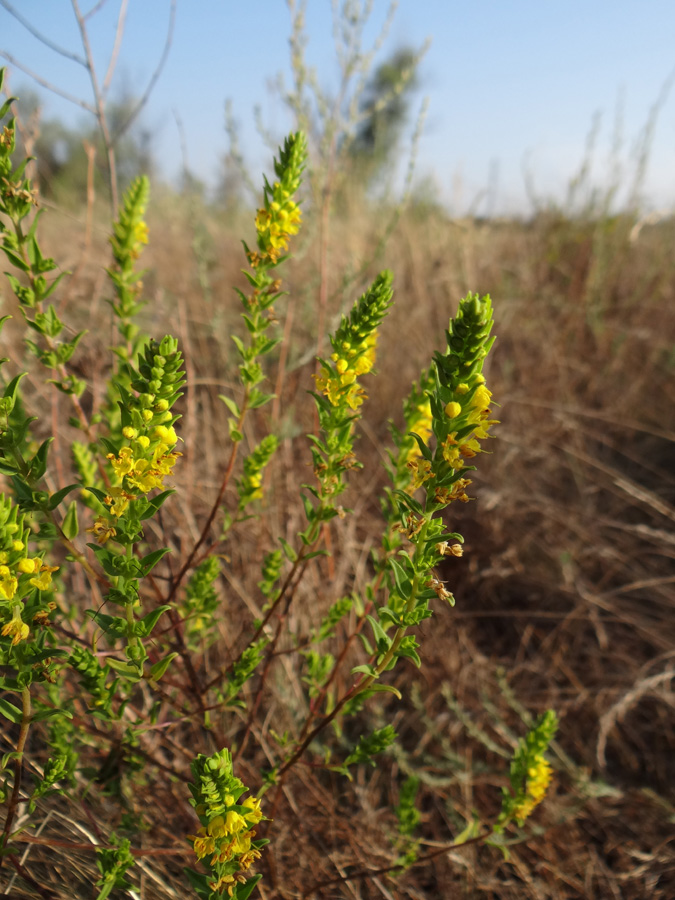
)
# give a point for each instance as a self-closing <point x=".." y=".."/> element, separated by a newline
<point x="18" y="769"/>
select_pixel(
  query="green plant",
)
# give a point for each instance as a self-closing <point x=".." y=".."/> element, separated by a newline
<point x="110" y="644"/>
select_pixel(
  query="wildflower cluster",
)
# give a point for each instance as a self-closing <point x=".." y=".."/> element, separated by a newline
<point x="249" y="486"/>
<point x="20" y="575"/>
<point x="280" y="217"/>
<point x="341" y="394"/>
<point x="411" y="578"/>
<point x="19" y="243"/>
<point x="225" y="842"/>
<point x="274" y="224"/>
<point x="354" y="347"/>
<point x="148" y="455"/>
<point x="417" y="420"/>
<point x="530" y="773"/>
<point x="460" y="402"/>
<point x="58" y="674"/>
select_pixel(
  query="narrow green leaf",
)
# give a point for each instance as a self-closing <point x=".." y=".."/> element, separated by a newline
<point x="389" y="688"/>
<point x="160" y="667"/>
<point x="58" y="496"/>
<point x="70" y="526"/>
<point x="11" y="712"/>
<point x="45" y="714"/>
<point x="150" y="561"/>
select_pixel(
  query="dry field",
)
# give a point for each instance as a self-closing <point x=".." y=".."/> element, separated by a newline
<point x="565" y="595"/>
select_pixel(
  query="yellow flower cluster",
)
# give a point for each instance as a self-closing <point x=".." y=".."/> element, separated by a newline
<point x="11" y="571"/>
<point x="421" y="425"/>
<point x="475" y="413"/>
<point x="420" y="470"/>
<point x="143" y="465"/>
<point x="227" y="838"/>
<point x="16" y="628"/>
<point x="139" y="236"/>
<point x="277" y="222"/>
<point x="339" y="384"/>
<point x="538" y="779"/>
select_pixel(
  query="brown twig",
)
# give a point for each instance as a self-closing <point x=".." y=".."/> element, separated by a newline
<point x="385" y="870"/>
<point x="18" y="769"/>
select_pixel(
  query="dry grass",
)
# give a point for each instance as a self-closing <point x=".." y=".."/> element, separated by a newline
<point x="565" y="596"/>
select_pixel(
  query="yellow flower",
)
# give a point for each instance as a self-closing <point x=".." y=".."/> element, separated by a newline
<point x="144" y="477"/>
<point x="453" y="409"/>
<point x="538" y="779"/>
<point x="16" y="627"/>
<point x="123" y="463"/>
<point x="141" y="233"/>
<point x="44" y="579"/>
<point x="247" y="860"/>
<point x="28" y="566"/>
<point x="164" y="464"/>
<point x="262" y="220"/>
<point x="202" y="843"/>
<point x="421" y="472"/>
<point x="165" y="436"/>
<point x="234" y="822"/>
<point x="255" y="815"/>
<point x="8" y="583"/>
<point x="102" y="530"/>
<point x="118" y="500"/>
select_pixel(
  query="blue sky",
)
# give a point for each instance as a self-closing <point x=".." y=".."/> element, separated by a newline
<point x="513" y="85"/>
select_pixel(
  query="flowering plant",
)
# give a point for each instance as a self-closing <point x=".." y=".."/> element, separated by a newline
<point x="83" y="540"/>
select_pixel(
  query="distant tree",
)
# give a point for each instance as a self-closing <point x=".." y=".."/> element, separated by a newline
<point x="384" y="112"/>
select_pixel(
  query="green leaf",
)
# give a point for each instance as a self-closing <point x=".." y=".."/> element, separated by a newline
<point x="364" y="670"/>
<point x="160" y="667"/>
<point x="424" y="450"/>
<point x="388" y="688"/>
<point x="149" y="562"/>
<point x="244" y="890"/>
<point x="11" y="712"/>
<point x="400" y="577"/>
<point x="145" y="625"/>
<point x="231" y="405"/>
<point x="154" y="504"/>
<point x="260" y="399"/>
<point x="99" y="494"/>
<point x="381" y="638"/>
<point x="123" y="668"/>
<point x="239" y="344"/>
<point x="57" y="497"/>
<point x="44" y="714"/>
<point x="364" y="641"/>
<point x="38" y="465"/>
<point x="12" y="388"/>
<point x="15" y="260"/>
<point x="289" y="552"/>
<point x="70" y="526"/>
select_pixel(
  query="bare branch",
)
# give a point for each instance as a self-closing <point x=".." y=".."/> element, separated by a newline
<point x="119" y="33"/>
<point x="100" y="105"/>
<point x="95" y="8"/>
<point x="47" y="84"/>
<point x="153" y="81"/>
<point x="37" y="34"/>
